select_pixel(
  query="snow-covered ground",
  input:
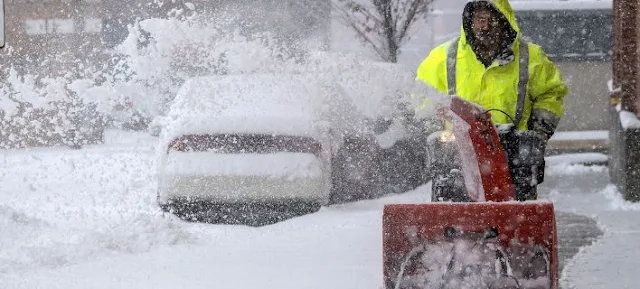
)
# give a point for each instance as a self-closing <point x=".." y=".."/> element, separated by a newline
<point x="87" y="219"/>
<point x="60" y="206"/>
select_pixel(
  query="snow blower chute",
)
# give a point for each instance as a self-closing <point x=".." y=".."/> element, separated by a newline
<point x="483" y="236"/>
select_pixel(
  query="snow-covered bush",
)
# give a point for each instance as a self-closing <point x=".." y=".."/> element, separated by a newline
<point x="44" y="112"/>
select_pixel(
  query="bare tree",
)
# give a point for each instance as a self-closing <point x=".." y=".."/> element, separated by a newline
<point x="382" y="24"/>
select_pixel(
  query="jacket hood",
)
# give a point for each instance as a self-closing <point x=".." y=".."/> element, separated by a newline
<point x="505" y="13"/>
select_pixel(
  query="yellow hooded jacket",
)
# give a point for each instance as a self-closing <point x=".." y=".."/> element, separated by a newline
<point x="496" y="86"/>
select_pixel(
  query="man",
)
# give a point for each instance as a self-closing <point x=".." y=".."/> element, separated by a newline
<point x="491" y="65"/>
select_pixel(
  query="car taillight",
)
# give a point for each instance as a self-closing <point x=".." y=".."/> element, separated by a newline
<point x="315" y="148"/>
<point x="177" y="145"/>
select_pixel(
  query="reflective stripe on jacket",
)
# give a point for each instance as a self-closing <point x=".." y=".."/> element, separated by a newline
<point x="496" y="86"/>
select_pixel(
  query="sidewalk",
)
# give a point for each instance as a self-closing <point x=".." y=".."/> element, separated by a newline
<point x="574" y="231"/>
<point x="591" y="212"/>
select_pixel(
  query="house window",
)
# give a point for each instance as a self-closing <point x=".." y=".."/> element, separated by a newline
<point x="60" y="26"/>
<point x="36" y="26"/>
<point x="93" y="25"/>
<point x="48" y="26"/>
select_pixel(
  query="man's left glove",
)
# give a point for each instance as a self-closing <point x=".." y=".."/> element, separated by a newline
<point x="544" y="123"/>
<point x="531" y="153"/>
<point x="534" y="143"/>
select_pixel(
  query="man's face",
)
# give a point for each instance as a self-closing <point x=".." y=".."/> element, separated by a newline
<point x="486" y="27"/>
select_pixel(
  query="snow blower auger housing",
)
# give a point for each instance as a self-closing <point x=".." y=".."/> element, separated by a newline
<point x="483" y="238"/>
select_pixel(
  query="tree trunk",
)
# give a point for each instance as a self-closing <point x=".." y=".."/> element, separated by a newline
<point x="389" y="31"/>
<point x="393" y="52"/>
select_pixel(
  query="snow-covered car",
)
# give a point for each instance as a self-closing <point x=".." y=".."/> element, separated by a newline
<point x="276" y="140"/>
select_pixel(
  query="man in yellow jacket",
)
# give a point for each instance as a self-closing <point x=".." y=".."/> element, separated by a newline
<point x="490" y="64"/>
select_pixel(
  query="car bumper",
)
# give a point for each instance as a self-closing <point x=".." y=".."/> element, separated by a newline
<point x="243" y="189"/>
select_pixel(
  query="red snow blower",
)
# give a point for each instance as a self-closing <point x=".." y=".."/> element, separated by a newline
<point x="478" y="232"/>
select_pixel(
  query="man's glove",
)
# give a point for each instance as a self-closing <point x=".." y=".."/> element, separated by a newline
<point x="530" y="164"/>
<point x="535" y="143"/>
<point x="544" y="123"/>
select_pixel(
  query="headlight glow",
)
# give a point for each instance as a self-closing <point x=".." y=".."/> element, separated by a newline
<point x="447" y="136"/>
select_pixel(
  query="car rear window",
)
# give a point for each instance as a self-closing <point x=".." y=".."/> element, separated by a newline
<point x="242" y="143"/>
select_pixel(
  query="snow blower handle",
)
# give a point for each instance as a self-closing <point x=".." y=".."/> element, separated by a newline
<point x="482" y="154"/>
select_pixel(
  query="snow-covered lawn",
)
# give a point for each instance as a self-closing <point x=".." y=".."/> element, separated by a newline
<point x="339" y="247"/>
<point x="60" y="206"/>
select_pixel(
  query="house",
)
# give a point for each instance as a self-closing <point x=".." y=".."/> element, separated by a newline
<point x="36" y="32"/>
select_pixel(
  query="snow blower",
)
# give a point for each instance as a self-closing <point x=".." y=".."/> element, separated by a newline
<point x="478" y="232"/>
